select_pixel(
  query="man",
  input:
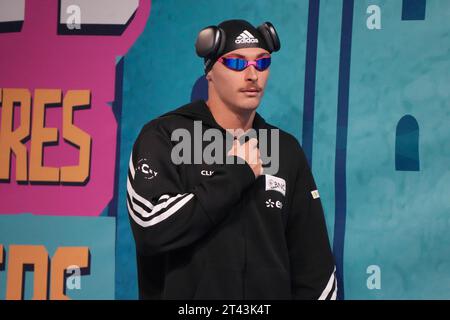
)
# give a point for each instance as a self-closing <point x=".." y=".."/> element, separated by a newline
<point x="228" y="229"/>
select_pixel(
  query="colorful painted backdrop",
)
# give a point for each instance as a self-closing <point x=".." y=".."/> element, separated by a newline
<point x="363" y="85"/>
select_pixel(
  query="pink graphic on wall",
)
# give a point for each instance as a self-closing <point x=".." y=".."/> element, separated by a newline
<point x="38" y="57"/>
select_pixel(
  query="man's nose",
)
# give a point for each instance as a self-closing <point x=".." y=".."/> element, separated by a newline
<point x="251" y="73"/>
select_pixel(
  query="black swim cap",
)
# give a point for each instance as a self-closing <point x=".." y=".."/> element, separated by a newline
<point x="241" y="34"/>
<point x="213" y="42"/>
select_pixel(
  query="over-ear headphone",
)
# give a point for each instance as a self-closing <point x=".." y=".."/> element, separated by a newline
<point x="211" y="40"/>
<point x="270" y="35"/>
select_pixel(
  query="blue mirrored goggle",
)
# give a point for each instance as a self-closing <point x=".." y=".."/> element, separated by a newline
<point x="239" y="64"/>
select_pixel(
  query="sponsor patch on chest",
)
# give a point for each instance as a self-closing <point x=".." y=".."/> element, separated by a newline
<point x="276" y="184"/>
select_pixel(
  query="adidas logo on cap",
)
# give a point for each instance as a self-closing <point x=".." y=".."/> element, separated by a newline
<point x="245" y="37"/>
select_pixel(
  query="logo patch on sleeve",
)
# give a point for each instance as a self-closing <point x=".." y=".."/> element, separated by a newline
<point x="276" y="184"/>
<point x="144" y="169"/>
<point x="315" y="194"/>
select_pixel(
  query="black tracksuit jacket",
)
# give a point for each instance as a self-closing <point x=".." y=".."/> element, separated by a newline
<point x="213" y="231"/>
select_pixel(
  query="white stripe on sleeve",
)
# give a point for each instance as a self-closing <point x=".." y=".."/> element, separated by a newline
<point x="185" y="199"/>
<point x="328" y="287"/>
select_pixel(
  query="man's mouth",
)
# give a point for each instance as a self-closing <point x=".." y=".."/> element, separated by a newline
<point x="251" y="90"/>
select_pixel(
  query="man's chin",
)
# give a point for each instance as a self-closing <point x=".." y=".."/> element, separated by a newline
<point x="250" y="105"/>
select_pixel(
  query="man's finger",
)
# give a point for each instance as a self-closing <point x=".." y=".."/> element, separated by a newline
<point x="253" y="141"/>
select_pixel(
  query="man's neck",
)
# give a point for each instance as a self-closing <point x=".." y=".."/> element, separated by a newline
<point x="228" y="118"/>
